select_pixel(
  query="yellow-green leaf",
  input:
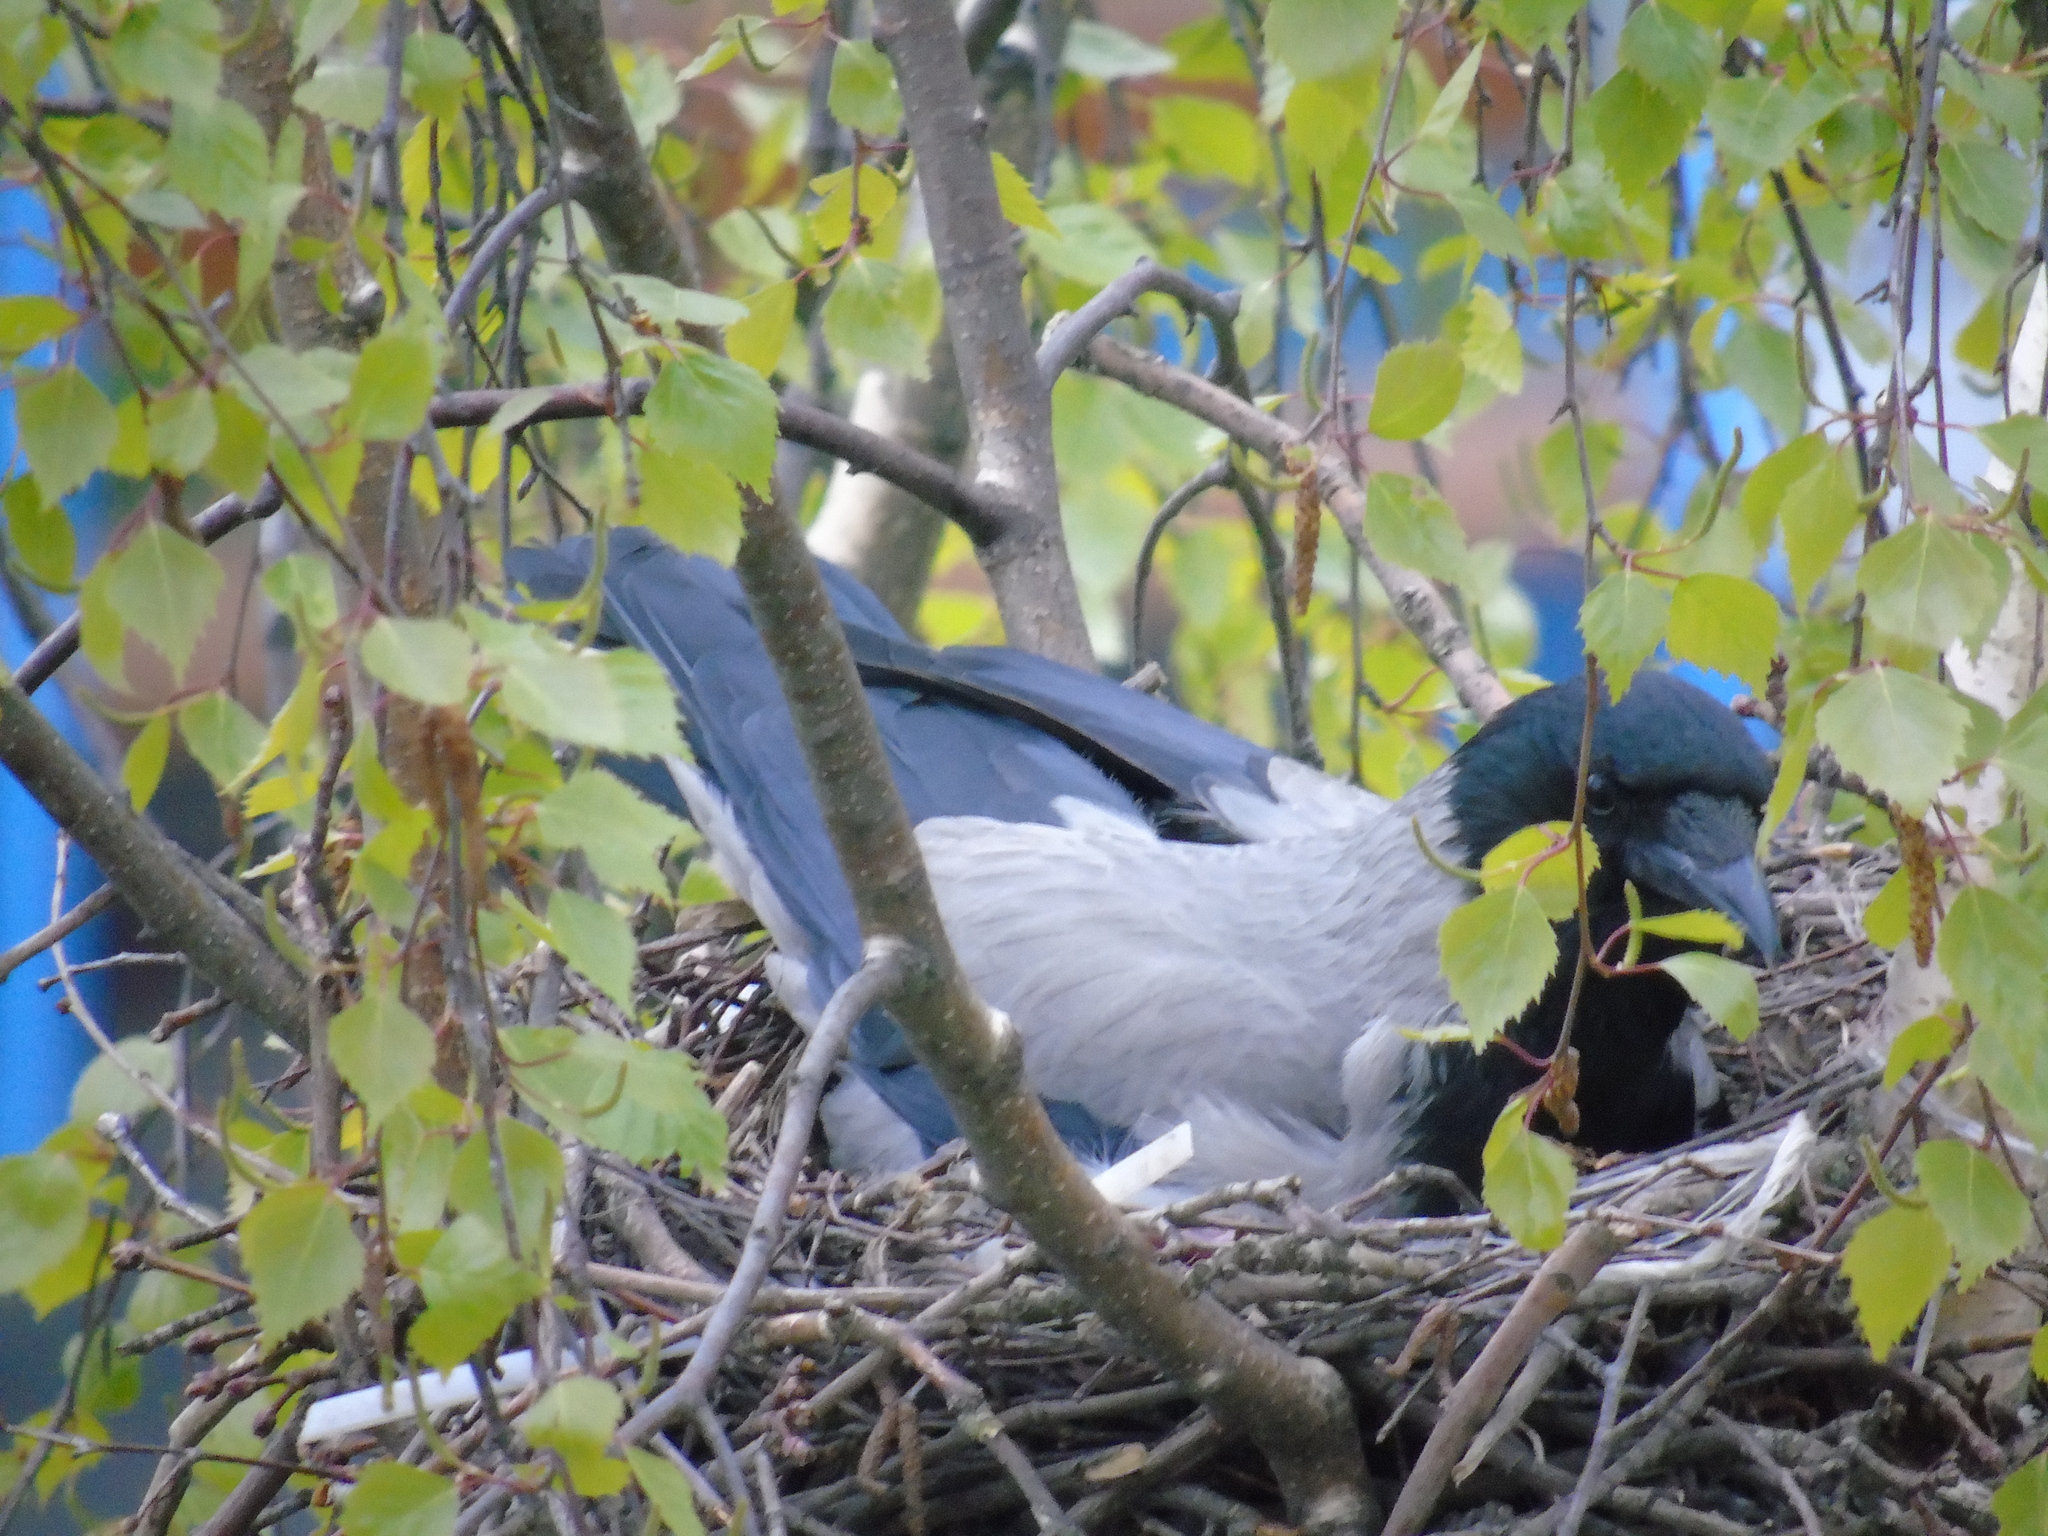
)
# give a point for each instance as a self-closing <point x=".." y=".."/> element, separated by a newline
<point x="395" y="376"/>
<point x="1927" y="1039"/>
<point x="1726" y="624"/>
<point x="1525" y="858"/>
<point x="1894" y="1262"/>
<point x="39" y="536"/>
<point x="667" y="1490"/>
<point x="390" y="1498"/>
<point x="1020" y="206"/>
<point x="1973" y="1198"/>
<point x="1497" y="951"/>
<point x="43" y="1209"/>
<point x="383" y="1049"/>
<point x="300" y="1254"/>
<point x="596" y="941"/>
<point x="575" y="1419"/>
<point x="1900" y="732"/>
<point x="28" y="320"/>
<point x="863" y="91"/>
<point x="142" y="766"/>
<point x="425" y="659"/>
<point x="67" y="429"/>
<point x="165" y="587"/>
<point x="1623" y="621"/>
<point x="1416" y="388"/>
<point x="1529" y="1180"/>
<point x="719" y="410"/>
<point x="182" y="431"/>
<point x="621" y="833"/>
<point x="759" y="339"/>
<point x="1725" y="988"/>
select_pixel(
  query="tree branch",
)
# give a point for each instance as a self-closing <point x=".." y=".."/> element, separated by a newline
<point x="1563" y="1275"/>
<point x="1416" y="600"/>
<point x="1297" y="1410"/>
<point x="177" y="897"/>
<point x="1008" y="405"/>
<point x="1066" y="340"/>
<point x="928" y="479"/>
<point x="601" y="156"/>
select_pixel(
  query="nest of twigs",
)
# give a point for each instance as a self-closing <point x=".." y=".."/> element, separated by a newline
<point x="1710" y="1381"/>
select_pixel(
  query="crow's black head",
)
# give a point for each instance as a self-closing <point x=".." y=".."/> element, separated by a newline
<point x="1673" y="799"/>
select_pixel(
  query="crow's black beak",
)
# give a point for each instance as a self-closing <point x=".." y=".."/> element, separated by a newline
<point x="1701" y="856"/>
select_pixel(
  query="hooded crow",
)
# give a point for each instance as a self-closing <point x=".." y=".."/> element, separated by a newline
<point x="1182" y="925"/>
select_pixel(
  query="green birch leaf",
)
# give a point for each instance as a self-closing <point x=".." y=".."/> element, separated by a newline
<point x="165" y="588"/>
<point x="425" y="659"/>
<point x="2023" y="757"/>
<point x="1529" y="1180"/>
<point x="221" y="735"/>
<point x="758" y="340"/>
<point x="1692" y="928"/>
<point x="1765" y="492"/>
<point x="863" y="94"/>
<point x="1497" y="951"/>
<point x="575" y="1419"/>
<point x="1791" y="778"/>
<point x="1417" y="386"/>
<point x="1488" y="342"/>
<point x="182" y="431"/>
<point x="142" y="766"/>
<point x="39" y="536"/>
<point x="1923" y="1040"/>
<point x="667" y="1490"/>
<point x="1640" y="133"/>
<point x="67" y="430"/>
<point x="1019" y="203"/>
<point x="218" y="157"/>
<point x="1723" y="987"/>
<point x="2012" y="1061"/>
<point x="1995" y="954"/>
<point x="832" y="219"/>
<point x="1989" y="186"/>
<point x="1098" y="51"/>
<point x="44" y="1206"/>
<point x="1623" y="621"/>
<point x="28" y="320"/>
<point x="1985" y="1217"/>
<point x="615" y="701"/>
<point x="168" y="50"/>
<point x="1318" y="38"/>
<point x="1929" y="585"/>
<point x="1448" y="110"/>
<point x="1886" y="921"/>
<point x="866" y="322"/>
<point x="1897" y="731"/>
<point x="301" y="1255"/>
<point x="302" y="586"/>
<point x="626" y="1096"/>
<point x="390" y="1498"/>
<point x="383" y="1049"/>
<point x="2021" y="1502"/>
<point x="622" y="834"/>
<point x="241" y="447"/>
<point x="533" y="1171"/>
<point x="1677" y="56"/>
<point x="666" y="304"/>
<point x="395" y="376"/>
<point x="1411" y="525"/>
<point x="1894" y="1263"/>
<point x="437" y="68"/>
<point x="717" y="410"/>
<point x="596" y="941"/>
<point x="1726" y="624"/>
<point x="1524" y="858"/>
<point x="471" y="1286"/>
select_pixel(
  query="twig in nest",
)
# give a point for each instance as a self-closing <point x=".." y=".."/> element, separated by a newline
<point x="879" y="974"/>
<point x="1563" y="1275"/>
<point x="1610" y="1406"/>
<point x="1760" y="1453"/>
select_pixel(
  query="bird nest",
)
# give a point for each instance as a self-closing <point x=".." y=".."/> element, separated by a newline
<point x="912" y="1365"/>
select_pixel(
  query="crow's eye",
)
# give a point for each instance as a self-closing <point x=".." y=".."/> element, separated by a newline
<point x="1599" y="795"/>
